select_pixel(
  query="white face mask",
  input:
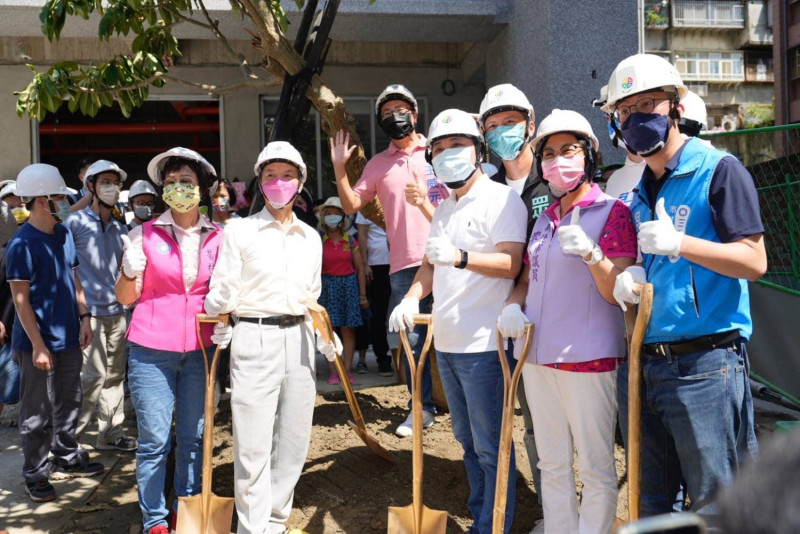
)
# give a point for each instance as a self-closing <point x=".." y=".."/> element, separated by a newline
<point x="108" y="193"/>
<point x="454" y="166"/>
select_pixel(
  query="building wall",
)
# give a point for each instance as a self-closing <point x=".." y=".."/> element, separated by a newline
<point x="15" y="133"/>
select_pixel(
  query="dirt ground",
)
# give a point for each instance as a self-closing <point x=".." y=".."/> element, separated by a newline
<point x="344" y="488"/>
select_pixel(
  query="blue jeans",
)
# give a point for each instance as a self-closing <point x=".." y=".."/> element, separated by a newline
<point x="401" y="282"/>
<point x="697" y="425"/>
<point x="9" y="375"/>
<point x="473" y="385"/>
<point x="160" y="380"/>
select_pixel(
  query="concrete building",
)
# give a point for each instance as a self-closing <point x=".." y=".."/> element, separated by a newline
<point x="723" y="50"/>
<point x="558" y="52"/>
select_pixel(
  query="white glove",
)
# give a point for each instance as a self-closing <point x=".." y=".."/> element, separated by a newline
<point x="511" y="321"/>
<point x="222" y="335"/>
<point x="329" y="350"/>
<point x="660" y="236"/>
<point x="217" y="301"/>
<point x="402" y="314"/>
<point x="133" y="259"/>
<point x="572" y="237"/>
<point x="440" y="249"/>
<point x="624" y="284"/>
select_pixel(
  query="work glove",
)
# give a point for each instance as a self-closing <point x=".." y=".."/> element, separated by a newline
<point x="403" y="314"/>
<point x="572" y="238"/>
<point x="133" y="259"/>
<point x="511" y="321"/>
<point x="222" y="335"/>
<point x="440" y="249"/>
<point x="625" y="283"/>
<point x="329" y="349"/>
<point x="660" y="236"/>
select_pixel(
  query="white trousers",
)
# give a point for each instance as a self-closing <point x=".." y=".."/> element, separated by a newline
<point x="273" y="390"/>
<point x="579" y="409"/>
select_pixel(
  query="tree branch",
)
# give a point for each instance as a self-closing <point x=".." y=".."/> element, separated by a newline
<point x="239" y="57"/>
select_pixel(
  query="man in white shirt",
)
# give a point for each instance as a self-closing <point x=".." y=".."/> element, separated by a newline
<point x="473" y="254"/>
<point x="269" y="264"/>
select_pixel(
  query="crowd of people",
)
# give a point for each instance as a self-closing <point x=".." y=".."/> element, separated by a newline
<point x="98" y="301"/>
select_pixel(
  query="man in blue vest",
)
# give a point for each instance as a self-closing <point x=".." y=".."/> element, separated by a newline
<point x="701" y="239"/>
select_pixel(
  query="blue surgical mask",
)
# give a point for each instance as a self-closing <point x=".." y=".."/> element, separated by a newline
<point x="646" y="133"/>
<point x="333" y="220"/>
<point x="506" y="141"/>
<point x="454" y="166"/>
<point x="59" y="209"/>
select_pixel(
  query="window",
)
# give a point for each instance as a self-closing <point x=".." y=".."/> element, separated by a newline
<point x="701" y="89"/>
<point x="314" y="144"/>
<point x="710" y="66"/>
<point x="794" y="63"/>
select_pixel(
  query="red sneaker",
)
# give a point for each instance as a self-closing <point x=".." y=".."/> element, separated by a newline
<point x="159" y="529"/>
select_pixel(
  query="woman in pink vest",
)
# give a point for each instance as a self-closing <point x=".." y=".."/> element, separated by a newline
<point x="166" y="267"/>
<point x="578" y="247"/>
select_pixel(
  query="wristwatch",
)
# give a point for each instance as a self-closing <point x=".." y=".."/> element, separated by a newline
<point x="595" y="256"/>
<point x="464" y="260"/>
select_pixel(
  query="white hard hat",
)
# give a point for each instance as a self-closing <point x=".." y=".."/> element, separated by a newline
<point x="100" y="166"/>
<point x="566" y="121"/>
<point x="141" y="187"/>
<point x="280" y="151"/>
<point x="451" y="122"/>
<point x="7" y="187"/>
<point x="156" y="164"/>
<point x="640" y="73"/>
<point x="694" y="109"/>
<point x="41" y="180"/>
<point x="505" y="97"/>
<point x="395" y="92"/>
<point x="599" y="102"/>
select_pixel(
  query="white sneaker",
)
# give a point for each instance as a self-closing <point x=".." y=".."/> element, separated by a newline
<point x="406" y="428"/>
<point x="538" y="527"/>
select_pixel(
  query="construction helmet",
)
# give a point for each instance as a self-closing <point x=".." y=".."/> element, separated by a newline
<point x="395" y="92"/>
<point x="451" y="123"/>
<point x="283" y="152"/>
<point x="641" y="73"/>
<point x="41" y="180"/>
<point x="100" y="166"/>
<point x="505" y="97"/>
<point x="156" y="164"/>
<point x="695" y="116"/>
<point x="141" y="187"/>
<point x="600" y="102"/>
<point x="570" y="122"/>
<point x="7" y="187"/>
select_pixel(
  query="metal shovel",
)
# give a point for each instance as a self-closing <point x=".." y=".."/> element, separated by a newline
<point x="206" y="513"/>
<point x="322" y="322"/>
<point x="417" y="518"/>
<point x="510" y="383"/>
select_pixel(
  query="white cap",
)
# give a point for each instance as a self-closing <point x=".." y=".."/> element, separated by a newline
<point x="505" y="97"/>
<point x="694" y="109"/>
<point x="280" y="151"/>
<point x="100" y="166"/>
<point x="141" y="187"/>
<point x="564" y="120"/>
<point x="156" y="164"/>
<point x="395" y="92"/>
<point x="41" y="180"/>
<point x="640" y="73"/>
<point x="451" y="122"/>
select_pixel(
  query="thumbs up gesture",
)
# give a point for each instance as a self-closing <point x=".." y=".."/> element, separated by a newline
<point x="415" y="191"/>
<point x="572" y="237"/>
<point x="660" y="236"/>
<point x="133" y="259"/>
<point x="440" y="249"/>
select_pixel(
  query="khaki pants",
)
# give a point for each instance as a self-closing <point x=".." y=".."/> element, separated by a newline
<point x="101" y="378"/>
<point x="273" y="390"/>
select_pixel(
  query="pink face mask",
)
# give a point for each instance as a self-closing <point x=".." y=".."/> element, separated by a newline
<point x="279" y="192"/>
<point x="563" y="173"/>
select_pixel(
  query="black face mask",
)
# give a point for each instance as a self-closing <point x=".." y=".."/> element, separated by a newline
<point x="397" y="126"/>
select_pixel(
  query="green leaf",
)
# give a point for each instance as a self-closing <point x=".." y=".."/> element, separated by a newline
<point x="110" y="75"/>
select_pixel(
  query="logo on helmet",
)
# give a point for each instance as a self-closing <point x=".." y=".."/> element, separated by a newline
<point x="447" y="119"/>
<point x="627" y="84"/>
<point x="498" y="93"/>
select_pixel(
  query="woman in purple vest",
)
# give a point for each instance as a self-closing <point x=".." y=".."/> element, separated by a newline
<point x="166" y="267"/>
<point x="578" y="247"/>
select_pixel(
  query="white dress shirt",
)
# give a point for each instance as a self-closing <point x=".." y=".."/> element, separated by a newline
<point x="264" y="269"/>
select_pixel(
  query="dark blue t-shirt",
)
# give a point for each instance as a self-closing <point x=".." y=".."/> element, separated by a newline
<point x="47" y="262"/>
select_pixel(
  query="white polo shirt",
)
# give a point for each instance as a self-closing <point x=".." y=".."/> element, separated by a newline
<point x="466" y="304"/>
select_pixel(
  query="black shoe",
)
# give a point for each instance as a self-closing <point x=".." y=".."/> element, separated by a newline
<point x="122" y="443"/>
<point x="41" y="491"/>
<point x="385" y="368"/>
<point x="85" y="469"/>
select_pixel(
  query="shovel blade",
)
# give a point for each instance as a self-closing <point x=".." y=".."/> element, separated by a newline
<point x="372" y="443"/>
<point x="193" y="519"/>
<point x="403" y="521"/>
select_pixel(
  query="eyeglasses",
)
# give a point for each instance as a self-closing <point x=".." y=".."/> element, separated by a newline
<point x="400" y="110"/>
<point x="643" y="105"/>
<point x="566" y="151"/>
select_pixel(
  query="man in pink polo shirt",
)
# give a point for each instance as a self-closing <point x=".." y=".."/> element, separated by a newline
<point x="386" y="176"/>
